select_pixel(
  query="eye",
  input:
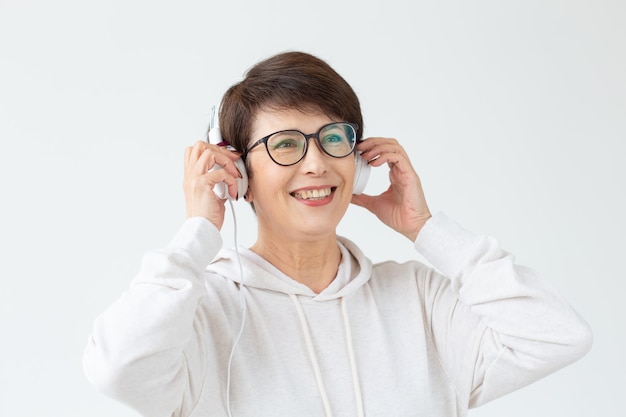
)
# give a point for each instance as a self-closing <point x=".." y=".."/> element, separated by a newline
<point x="332" y="139"/>
<point x="284" y="144"/>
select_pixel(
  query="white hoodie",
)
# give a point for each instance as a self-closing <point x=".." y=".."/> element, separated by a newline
<point x="382" y="340"/>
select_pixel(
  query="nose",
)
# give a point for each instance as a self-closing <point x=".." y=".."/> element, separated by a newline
<point x="315" y="160"/>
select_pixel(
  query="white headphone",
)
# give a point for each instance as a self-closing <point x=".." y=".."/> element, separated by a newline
<point x="361" y="173"/>
<point x="215" y="138"/>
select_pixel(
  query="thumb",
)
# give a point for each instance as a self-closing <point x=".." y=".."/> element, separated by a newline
<point x="363" y="200"/>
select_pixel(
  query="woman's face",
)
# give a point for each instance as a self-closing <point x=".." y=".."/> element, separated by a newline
<point x="304" y="200"/>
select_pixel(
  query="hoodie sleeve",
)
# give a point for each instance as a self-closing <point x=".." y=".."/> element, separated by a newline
<point x="142" y="346"/>
<point x="497" y="326"/>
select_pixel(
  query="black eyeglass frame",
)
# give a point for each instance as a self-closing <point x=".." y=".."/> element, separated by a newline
<point x="315" y="135"/>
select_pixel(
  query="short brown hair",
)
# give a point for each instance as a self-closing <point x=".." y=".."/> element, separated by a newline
<point x="289" y="80"/>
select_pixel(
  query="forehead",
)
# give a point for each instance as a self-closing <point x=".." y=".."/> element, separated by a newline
<point x="267" y="122"/>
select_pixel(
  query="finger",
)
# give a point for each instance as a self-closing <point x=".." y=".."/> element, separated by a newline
<point x="379" y="147"/>
<point x="222" y="176"/>
<point x="398" y="162"/>
<point x="186" y="158"/>
<point x="208" y="161"/>
<point x="195" y="151"/>
<point x="359" y="200"/>
<point x="364" y="200"/>
<point x="371" y="143"/>
<point x="190" y="160"/>
<point x="387" y="147"/>
<point x="401" y="170"/>
<point x="201" y="161"/>
<point x="229" y="163"/>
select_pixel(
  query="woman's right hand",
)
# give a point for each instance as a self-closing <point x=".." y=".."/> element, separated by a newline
<point x="199" y="180"/>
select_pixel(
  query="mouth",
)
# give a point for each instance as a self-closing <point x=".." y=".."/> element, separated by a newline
<point x="316" y="194"/>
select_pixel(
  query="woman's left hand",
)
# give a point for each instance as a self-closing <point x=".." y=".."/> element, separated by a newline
<point x="403" y="206"/>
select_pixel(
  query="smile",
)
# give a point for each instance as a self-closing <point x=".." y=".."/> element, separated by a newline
<point x="318" y="194"/>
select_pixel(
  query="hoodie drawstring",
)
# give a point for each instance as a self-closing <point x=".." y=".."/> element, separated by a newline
<point x="358" y="396"/>
<point x="316" y="368"/>
<point x="309" y="345"/>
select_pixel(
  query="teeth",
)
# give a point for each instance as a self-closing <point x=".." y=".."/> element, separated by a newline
<point x="312" y="194"/>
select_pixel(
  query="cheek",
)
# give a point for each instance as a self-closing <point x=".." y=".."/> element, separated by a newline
<point x="348" y="170"/>
<point x="263" y="178"/>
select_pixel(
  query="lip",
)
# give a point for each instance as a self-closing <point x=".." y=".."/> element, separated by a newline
<point x="317" y="202"/>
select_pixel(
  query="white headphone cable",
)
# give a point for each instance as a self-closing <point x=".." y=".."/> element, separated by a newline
<point x="242" y="300"/>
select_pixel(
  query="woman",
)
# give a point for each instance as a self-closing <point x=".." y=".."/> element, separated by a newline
<point x="326" y="332"/>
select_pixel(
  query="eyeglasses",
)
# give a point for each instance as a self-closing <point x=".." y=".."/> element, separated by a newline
<point x="288" y="147"/>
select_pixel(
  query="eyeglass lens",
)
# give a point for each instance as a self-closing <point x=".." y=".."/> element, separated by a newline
<point x="287" y="147"/>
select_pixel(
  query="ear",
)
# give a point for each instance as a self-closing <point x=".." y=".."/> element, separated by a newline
<point x="248" y="196"/>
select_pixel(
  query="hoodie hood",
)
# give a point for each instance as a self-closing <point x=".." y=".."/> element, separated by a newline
<point x="353" y="272"/>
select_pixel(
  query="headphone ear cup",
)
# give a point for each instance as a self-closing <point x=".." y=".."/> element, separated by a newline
<point x="361" y="174"/>
<point x="242" y="183"/>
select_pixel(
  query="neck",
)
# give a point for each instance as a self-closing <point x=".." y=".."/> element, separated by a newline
<point x="313" y="262"/>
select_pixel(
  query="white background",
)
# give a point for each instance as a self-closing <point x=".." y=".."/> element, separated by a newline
<point x="513" y="113"/>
